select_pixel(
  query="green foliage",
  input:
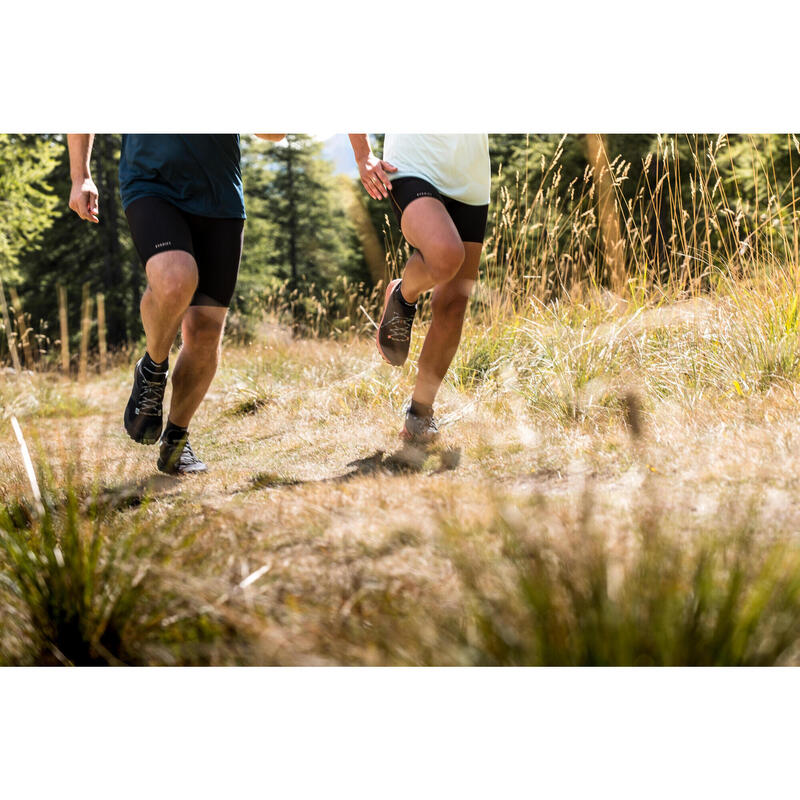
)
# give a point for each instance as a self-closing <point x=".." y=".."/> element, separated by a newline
<point x="73" y="251"/>
<point x="26" y="197"/>
<point x="298" y="232"/>
<point x="380" y="211"/>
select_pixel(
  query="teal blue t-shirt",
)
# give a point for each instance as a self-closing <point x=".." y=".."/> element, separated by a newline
<point x="200" y="173"/>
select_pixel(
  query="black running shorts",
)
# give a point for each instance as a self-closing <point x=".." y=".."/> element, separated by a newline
<point x="216" y="244"/>
<point x="470" y="221"/>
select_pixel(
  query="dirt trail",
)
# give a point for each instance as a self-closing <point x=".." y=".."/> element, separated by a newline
<point x="309" y="483"/>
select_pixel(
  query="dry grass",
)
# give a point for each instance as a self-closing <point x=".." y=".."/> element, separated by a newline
<point x="351" y="539"/>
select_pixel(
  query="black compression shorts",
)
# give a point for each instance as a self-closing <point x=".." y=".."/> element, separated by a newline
<point x="470" y="221"/>
<point x="216" y="244"/>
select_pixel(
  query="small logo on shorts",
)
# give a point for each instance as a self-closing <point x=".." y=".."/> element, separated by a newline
<point x="163" y="244"/>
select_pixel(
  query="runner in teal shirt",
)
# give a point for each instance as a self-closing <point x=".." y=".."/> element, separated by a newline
<point x="184" y="202"/>
<point x="200" y="173"/>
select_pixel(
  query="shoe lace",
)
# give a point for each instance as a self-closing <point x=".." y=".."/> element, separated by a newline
<point x="187" y="455"/>
<point x="152" y="394"/>
<point x="400" y="327"/>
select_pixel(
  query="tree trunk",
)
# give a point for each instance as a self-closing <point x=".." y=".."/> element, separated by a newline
<point x="374" y="254"/>
<point x="10" y="334"/>
<point x="607" y="213"/>
<point x="292" y="217"/>
<point x="109" y="224"/>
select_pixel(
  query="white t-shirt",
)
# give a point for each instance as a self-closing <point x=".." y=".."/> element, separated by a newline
<point x="457" y="164"/>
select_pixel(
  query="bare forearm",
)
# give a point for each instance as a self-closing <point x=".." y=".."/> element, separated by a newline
<point x="360" y="144"/>
<point x="80" y="152"/>
<point x="83" y="196"/>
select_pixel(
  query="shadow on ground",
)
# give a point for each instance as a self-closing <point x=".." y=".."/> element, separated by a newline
<point x="130" y="493"/>
<point x="407" y="460"/>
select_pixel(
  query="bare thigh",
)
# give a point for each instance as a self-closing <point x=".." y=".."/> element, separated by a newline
<point x="428" y="227"/>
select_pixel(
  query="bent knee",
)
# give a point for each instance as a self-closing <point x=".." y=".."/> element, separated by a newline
<point x="172" y="277"/>
<point x="445" y="260"/>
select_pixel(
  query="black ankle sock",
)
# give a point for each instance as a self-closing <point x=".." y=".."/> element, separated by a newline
<point x="152" y="367"/>
<point x="174" y="433"/>
<point x="420" y="409"/>
<point x="402" y="299"/>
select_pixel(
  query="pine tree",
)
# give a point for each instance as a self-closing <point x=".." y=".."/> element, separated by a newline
<point x="73" y="251"/>
<point x="297" y="229"/>
<point x="27" y="200"/>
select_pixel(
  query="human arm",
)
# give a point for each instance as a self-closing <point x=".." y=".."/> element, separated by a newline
<point x="271" y="137"/>
<point x="83" y="195"/>
<point x="371" y="169"/>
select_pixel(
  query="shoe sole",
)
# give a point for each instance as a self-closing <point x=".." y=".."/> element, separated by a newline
<point x="129" y="411"/>
<point x="389" y="290"/>
<point x="178" y="472"/>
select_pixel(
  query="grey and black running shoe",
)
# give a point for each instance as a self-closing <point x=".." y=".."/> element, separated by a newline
<point x="419" y="429"/>
<point x="143" y="412"/>
<point x="178" y="458"/>
<point x="394" y="330"/>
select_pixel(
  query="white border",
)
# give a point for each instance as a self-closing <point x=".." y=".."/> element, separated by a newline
<point x="417" y="65"/>
<point x="399" y="733"/>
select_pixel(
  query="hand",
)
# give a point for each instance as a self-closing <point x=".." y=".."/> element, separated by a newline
<point x="373" y="175"/>
<point x="83" y="199"/>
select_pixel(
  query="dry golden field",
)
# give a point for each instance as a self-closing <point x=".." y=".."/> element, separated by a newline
<point x="613" y="485"/>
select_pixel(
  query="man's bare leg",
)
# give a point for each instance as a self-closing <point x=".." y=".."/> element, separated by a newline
<point x="171" y="283"/>
<point x="197" y="362"/>
<point x="202" y="328"/>
<point x="448" y="307"/>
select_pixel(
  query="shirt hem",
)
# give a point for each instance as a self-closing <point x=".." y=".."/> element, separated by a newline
<point x="187" y="208"/>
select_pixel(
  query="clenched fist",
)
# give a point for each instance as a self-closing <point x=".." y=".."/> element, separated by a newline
<point x="83" y="199"/>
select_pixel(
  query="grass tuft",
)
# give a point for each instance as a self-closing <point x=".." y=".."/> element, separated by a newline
<point x="81" y="587"/>
<point x="564" y="593"/>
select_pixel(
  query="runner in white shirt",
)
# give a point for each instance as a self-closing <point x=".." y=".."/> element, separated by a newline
<point x="439" y="187"/>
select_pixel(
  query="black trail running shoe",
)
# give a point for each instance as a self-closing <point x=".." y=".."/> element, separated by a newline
<point x="419" y="429"/>
<point x="178" y="458"/>
<point x="143" y="412"/>
<point x="394" y="331"/>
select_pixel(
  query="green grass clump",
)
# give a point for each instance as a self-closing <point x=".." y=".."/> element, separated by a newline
<point x="571" y="597"/>
<point x="81" y="587"/>
<point x="269" y="480"/>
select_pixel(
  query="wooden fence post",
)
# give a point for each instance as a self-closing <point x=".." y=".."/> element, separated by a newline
<point x="10" y="334"/>
<point x="86" y="329"/>
<point x="22" y="328"/>
<point x="101" y="329"/>
<point x="62" y="313"/>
